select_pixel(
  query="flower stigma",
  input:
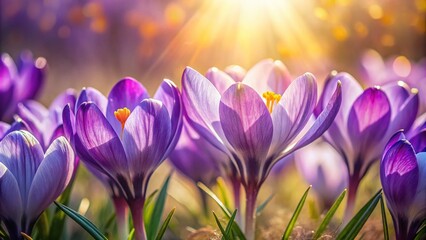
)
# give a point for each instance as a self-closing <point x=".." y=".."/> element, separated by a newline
<point x="122" y="114"/>
<point x="271" y="99"/>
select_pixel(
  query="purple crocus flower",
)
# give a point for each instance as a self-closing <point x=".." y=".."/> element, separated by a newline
<point x="6" y="128"/>
<point x="252" y="124"/>
<point x="30" y="179"/>
<point x="379" y="71"/>
<point x="19" y="83"/>
<point x="367" y="118"/>
<point x="93" y="95"/>
<point x="403" y="177"/>
<point x="323" y="168"/>
<point x="131" y="139"/>
<point x="46" y="124"/>
<point x="196" y="158"/>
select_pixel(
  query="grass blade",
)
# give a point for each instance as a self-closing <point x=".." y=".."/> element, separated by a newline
<point x="230" y="223"/>
<point x="384" y="220"/>
<point x="296" y="213"/>
<point x="165" y="224"/>
<point x="154" y="223"/>
<point x="421" y="234"/>
<point x="358" y="221"/>
<point x="82" y="221"/>
<point x="224" y="236"/>
<point x="263" y="205"/>
<point x="222" y="188"/>
<point x="215" y="198"/>
<point x="329" y="215"/>
<point x="150" y="197"/>
<point x="131" y="234"/>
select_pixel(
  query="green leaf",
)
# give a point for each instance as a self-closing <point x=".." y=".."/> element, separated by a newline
<point x="215" y="198"/>
<point x="25" y="236"/>
<point x="384" y="220"/>
<point x="154" y="219"/>
<point x="329" y="215"/>
<point x="421" y="234"/>
<point x="43" y="226"/>
<point x="224" y="236"/>
<point x="131" y="234"/>
<point x="358" y="221"/>
<point x="296" y="213"/>
<point x="230" y="224"/>
<point x="82" y="221"/>
<point x="235" y="228"/>
<point x="58" y="221"/>
<point x="165" y="224"/>
<point x="222" y="188"/>
<point x="263" y="205"/>
<point x="150" y="197"/>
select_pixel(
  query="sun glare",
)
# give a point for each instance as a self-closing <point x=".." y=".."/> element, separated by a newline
<point x="244" y="31"/>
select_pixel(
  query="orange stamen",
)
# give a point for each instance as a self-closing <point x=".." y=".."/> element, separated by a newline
<point x="122" y="114"/>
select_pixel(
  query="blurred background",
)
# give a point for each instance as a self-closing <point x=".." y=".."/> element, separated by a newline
<point x="97" y="42"/>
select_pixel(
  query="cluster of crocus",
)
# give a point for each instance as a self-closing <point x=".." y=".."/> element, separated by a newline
<point x="366" y="120"/>
<point x="403" y="177"/>
<point x="126" y="138"/>
<point x="256" y="120"/>
<point x="19" y="82"/>
<point x="31" y="179"/>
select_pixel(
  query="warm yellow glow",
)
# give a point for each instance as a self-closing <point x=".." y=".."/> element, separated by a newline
<point x="401" y="66"/>
<point x="244" y="32"/>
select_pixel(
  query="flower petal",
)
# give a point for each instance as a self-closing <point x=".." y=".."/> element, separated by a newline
<point x="169" y="95"/>
<point x="99" y="140"/>
<point x="11" y="209"/>
<point x="418" y="208"/>
<point x="404" y="104"/>
<point x="66" y="97"/>
<point x="246" y="122"/>
<point x="51" y="179"/>
<point x="399" y="135"/>
<point x="219" y="79"/>
<point x="397" y="171"/>
<point x="418" y="141"/>
<point x="268" y="75"/>
<point x="126" y="93"/>
<point x="31" y="77"/>
<point x="368" y="122"/>
<point x="201" y="100"/>
<point x="7" y="73"/>
<point x="236" y="72"/>
<point x="293" y="111"/>
<point x="92" y="95"/>
<point x="321" y="124"/>
<point x="21" y="153"/>
<point x="146" y="136"/>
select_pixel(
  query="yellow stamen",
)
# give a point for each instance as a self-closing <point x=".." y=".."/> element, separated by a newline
<point x="271" y="99"/>
<point x="122" y="114"/>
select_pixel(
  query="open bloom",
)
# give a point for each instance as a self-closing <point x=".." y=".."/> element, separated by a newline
<point x="30" y="180"/>
<point x="6" y="128"/>
<point x="46" y="124"/>
<point x="366" y="120"/>
<point x="19" y="83"/>
<point x="403" y="177"/>
<point x="323" y="168"/>
<point x="131" y="139"/>
<point x="256" y="121"/>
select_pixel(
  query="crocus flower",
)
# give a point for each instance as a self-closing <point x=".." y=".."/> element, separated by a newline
<point x="323" y="168"/>
<point x="131" y="139"/>
<point x="196" y="158"/>
<point x="46" y="124"/>
<point x="379" y="71"/>
<point x="403" y="177"/>
<point x="19" y="83"/>
<point x="253" y="123"/>
<point x="30" y="179"/>
<point x="68" y="115"/>
<point x="6" y="128"/>
<point x="365" y="121"/>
